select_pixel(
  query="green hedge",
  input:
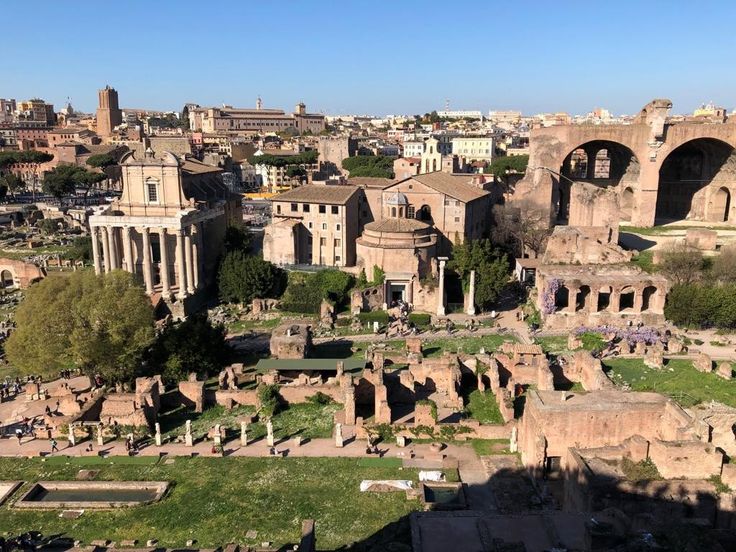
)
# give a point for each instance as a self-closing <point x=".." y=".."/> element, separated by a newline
<point x="375" y="316"/>
<point x="420" y="319"/>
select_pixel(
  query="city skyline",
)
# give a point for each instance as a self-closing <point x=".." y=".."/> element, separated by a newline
<point x="545" y="60"/>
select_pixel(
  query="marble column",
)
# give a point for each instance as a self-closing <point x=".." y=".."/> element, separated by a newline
<point x="96" y="249"/>
<point x="471" y="295"/>
<point x="106" y="248"/>
<point x="195" y="261"/>
<point x="165" y="283"/>
<point x="180" y="268"/>
<point x="128" y="250"/>
<point x="114" y="253"/>
<point x="199" y="273"/>
<point x="147" y="264"/>
<point x="441" y="290"/>
<point x="189" y="261"/>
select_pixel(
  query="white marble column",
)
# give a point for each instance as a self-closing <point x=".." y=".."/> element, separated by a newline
<point x="200" y="254"/>
<point x="471" y="295"/>
<point x="181" y="269"/>
<point x="165" y="283"/>
<point x="147" y="265"/>
<point x="195" y="262"/>
<point x="128" y="250"/>
<point x="94" y="231"/>
<point x="114" y="262"/>
<point x="441" y="290"/>
<point x="106" y="248"/>
<point x="189" y="260"/>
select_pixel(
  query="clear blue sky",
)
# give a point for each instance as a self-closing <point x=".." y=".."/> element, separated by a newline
<point x="348" y="56"/>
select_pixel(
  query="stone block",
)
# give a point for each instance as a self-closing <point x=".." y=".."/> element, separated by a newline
<point x="701" y="238"/>
<point x="703" y="363"/>
<point x="725" y="370"/>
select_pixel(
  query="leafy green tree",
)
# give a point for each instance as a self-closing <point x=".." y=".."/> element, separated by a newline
<point x="243" y="277"/>
<point x="305" y="292"/>
<point x="237" y="238"/>
<point x="12" y="183"/>
<point x="511" y="163"/>
<point x="101" y="324"/>
<point x="63" y="180"/>
<point x="682" y="265"/>
<point x="491" y="269"/>
<point x="724" y="266"/>
<point x="377" y="166"/>
<point x="81" y="249"/>
<point x="194" y="345"/>
<point x="101" y="160"/>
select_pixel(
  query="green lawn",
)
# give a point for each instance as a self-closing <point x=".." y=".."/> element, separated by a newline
<point x="552" y="343"/>
<point x="311" y="421"/>
<point x="483" y="407"/>
<point x="218" y="500"/>
<point x="469" y="345"/>
<point x="684" y="383"/>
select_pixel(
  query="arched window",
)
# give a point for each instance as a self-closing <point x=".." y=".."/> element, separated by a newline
<point x="393" y="212"/>
<point x="151" y="190"/>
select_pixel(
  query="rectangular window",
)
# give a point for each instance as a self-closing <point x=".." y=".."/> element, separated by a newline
<point x="305" y="207"/>
<point x="278" y="209"/>
<point x="457" y="219"/>
<point x="324" y="226"/>
<point x="337" y="242"/>
<point x="322" y="209"/>
<point x="152" y="193"/>
<point x="335" y="209"/>
<point x="322" y="242"/>
<point x="309" y="225"/>
<point x="337" y="227"/>
<point x="338" y="258"/>
<point x="294" y="207"/>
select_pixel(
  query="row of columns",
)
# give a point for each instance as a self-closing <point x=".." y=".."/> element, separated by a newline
<point x="188" y="258"/>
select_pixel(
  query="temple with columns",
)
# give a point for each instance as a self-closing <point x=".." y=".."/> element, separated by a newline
<point x="167" y="228"/>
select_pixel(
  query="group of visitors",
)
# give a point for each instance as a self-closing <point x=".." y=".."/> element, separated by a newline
<point x="10" y="388"/>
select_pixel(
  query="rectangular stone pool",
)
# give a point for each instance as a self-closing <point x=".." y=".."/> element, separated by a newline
<point x="443" y="496"/>
<point x="91" y="494"/>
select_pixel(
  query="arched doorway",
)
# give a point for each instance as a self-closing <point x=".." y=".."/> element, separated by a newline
<point x="627" y="204"/>
<point x="562" y="298"/>
<point x="720" y="205"/>
<point x="647" y="297"/>
<point x="602" y="163"/>
<point x="581" y="301"/>
<point x="626" y="299"/>
<point x="686" y="174"/>
<point x="604" y="298"/>
<point x="6" y="279"/>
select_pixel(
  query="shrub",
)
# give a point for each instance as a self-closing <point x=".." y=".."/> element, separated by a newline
<point x="269" y="400"/>
<point x="305" y="292"/>
<point x="420" y="319"/>
<point x="374" y="316"/>
<point x="320" y="398"/>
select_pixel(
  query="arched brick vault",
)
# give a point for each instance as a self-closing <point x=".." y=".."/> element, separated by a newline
<point x="550" y="146"/>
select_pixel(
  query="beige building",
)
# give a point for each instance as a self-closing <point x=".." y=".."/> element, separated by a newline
<point x="473" y="148"/>
<point x="314" y="224"/>
<point x="227" y="118"/>
<point x="167" y="227"/>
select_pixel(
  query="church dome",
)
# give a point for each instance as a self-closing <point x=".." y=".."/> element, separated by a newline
<point x="397" y="198"/>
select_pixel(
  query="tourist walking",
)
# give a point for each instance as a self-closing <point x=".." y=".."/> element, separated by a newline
<point x="19" y="434"/>
<point x="54" y="446"/>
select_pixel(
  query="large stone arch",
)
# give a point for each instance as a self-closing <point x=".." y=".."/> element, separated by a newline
<point x="690" y="177"/>
<point x="602" y="163"/>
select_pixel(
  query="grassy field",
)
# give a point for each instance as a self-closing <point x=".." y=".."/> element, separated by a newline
<point x="552" y="343"/>
<point x="217" y="501"/>
<point x="684" y="383"/>
<point x="469" y="345"/>
<point x="483" y="407"/>
<point x="310" y="421"/>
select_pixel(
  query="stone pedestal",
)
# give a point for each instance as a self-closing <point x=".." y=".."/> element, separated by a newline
<point x="217" y="437"/>
<point x="339" y="441"/>
<point x="72" y="438"/>
<point x="100" y="439"/>
<point x="158" y="435"/>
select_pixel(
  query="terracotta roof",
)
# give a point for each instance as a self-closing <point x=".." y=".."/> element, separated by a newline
<point x="316" y="193"/>
<point x="195" y="167"/>
<point x="396" y="225"/>
<point x="455" y="186"/>
<point x="370" y="181"/>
